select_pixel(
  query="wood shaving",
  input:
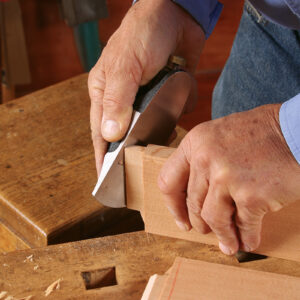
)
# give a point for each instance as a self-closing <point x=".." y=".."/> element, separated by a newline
<point x="3" y="294"/>
<point x="53" y="286"/>
<point x="26" y="298"/>
<point x="29" y="258"/>
<point x="35" y="267"/>
<point x="10" y="298"/>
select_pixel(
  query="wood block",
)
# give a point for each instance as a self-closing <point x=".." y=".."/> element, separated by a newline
<point x="47" y="169"/>
<point x="154" y="287"/>
<point x="191" y="279"/>
<point x="134" y="177"/>
<point x="280" y="233"/>
<point x="134" y="172"/>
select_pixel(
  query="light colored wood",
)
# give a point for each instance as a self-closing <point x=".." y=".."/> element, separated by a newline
<point x="9" y="241"/>
<point x="47" y="167"/>
<point x="154" y="287"/>
<point x="134" y="173"/>
<point x="280" y="233"/>
<point x="135" y="257"/>
<point x="191" y="279"/>
<point x="134" y="178"/>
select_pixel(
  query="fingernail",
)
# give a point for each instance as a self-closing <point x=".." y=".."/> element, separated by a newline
<point x="226" y="250"/>
<point x="110" y="129"/>
<point x="182" y="226"/>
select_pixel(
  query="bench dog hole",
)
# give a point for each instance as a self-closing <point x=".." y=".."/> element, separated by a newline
<point x="99" y="278"/>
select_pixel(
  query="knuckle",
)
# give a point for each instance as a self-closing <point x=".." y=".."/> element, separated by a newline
<point x="163" y="183"/>
<point x="194" y="206"/>
<point x="210" y="219"/>
<point x="245" y="199"/>
<point x="216" y="223"/>
<point x="221" y="176"/>
<point x="110" y="101"/>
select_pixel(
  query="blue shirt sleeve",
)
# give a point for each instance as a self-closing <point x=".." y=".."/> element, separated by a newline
<point x="205" y="12"/>
<point x="289" y="118"/>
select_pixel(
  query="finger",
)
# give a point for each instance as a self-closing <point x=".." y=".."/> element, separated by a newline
<point x="120" y="90"/>
<point x="196" y="193"/>
<point x="217" y="212"/>
<point x="249" y="224"/>
<point x="172" y="182"/>
<point x="96" y="83"/>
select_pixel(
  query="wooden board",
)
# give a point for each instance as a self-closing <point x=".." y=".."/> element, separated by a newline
<point x="47" y="169"/>
<point x="135" y="256"/>
<point x="281" y="230"/>
<point x="134" y="172"/>
<point x="193" y="279"/>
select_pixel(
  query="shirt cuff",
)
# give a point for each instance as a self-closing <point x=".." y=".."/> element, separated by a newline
<point x="205" y="12"/>
<point x="289" y="118"/>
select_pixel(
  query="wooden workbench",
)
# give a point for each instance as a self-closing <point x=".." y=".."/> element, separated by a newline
<point x="47" y="170"/>
<point x="135" y="257"/>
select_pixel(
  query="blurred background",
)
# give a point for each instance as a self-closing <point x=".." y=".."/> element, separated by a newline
<point x="47" y="41"/>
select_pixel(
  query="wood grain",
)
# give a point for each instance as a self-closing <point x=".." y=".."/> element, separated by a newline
<point x="135" y="256"/>
<point x="191" y="279"/>
<point x="47" y="169"/>
<point x="134" y="178"/>
<point x="9" y="241"/>
<point x="280" y="233"/>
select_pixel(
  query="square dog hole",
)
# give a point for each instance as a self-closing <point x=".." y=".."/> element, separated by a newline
<point x="99" y="278"/>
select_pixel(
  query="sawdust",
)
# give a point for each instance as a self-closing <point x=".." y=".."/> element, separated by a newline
<point x="29" y="258"/>
<point x="53" y="286"/>
<point x="35" y="267"/>
<point x="3" y="294"/>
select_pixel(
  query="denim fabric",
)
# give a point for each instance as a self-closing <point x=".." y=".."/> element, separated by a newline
<point x="263" y="67"/>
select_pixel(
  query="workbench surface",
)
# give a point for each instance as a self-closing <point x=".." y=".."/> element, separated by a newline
<point x="47" y="169"/>
<point x="135" y="256"/>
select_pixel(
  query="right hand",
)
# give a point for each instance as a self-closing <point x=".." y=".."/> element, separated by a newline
<point x="150" y="32"/>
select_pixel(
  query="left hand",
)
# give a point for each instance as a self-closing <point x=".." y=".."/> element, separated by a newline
<point x="228" y="173"/>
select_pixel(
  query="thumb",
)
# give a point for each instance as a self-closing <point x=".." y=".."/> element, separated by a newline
<point x="119" y="94"/>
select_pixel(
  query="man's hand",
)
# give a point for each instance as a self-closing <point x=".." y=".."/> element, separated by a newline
<point x="150" y="32"/>
<point x="228" y="173"/>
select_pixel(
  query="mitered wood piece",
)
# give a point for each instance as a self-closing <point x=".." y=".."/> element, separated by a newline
<point x="280" y="233"/>
<point x="135" y="257"/>
<point x="192" y="279"/>
<point x="47" y="168"/>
